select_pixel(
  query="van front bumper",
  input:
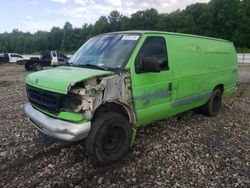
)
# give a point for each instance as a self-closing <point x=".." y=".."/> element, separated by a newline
<point x="56" y="128"/>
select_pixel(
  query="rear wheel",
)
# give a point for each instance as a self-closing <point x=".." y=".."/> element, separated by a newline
<point x="213" y="106"/>
<point x="109" y="139"/>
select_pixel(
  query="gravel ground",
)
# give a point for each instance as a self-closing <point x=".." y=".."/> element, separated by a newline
<point x="184" y="151"/>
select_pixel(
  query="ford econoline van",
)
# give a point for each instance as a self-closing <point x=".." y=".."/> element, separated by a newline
<point x="118" y="82"/>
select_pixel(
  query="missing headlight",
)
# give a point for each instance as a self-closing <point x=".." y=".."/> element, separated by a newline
<point x="72" y="102"/>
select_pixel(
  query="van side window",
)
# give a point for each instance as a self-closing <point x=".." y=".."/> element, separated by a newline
<point x="154" y="47"/>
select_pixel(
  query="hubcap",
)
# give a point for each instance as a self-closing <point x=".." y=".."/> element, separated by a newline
<point x="113" y="140"/>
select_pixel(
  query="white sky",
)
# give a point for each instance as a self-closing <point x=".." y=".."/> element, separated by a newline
<point x="33" y="15"/>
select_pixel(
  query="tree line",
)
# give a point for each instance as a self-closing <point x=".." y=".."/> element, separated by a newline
<point x="226" y="19"/>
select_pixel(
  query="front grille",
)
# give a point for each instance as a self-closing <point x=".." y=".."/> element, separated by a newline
<point x="46" y="100"/>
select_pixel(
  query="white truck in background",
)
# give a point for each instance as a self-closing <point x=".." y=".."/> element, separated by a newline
<point x="46" y="59"/>
<point x="14" y="57"/>
<point x="35" y="62"/>
<point x="10" y="57"/>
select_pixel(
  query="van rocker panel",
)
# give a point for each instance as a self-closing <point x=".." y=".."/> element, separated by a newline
<point x="56" y="128"/>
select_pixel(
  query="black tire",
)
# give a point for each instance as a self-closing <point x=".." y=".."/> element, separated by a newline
<point x="37" y="67"/>
<point x="109" y="139"/>
<point x="28" y="66"/>
<point x="213" y="106"/>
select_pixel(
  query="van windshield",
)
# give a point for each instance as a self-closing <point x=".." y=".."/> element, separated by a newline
<point x="108" y="52"/>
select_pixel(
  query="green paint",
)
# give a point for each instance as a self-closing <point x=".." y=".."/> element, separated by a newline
<point x="59" y="79"/>
<point x="147" y="97"/>
<point x="67" y="116"/>
<point x="191" y="99"/>
<point x="133" y="135"/>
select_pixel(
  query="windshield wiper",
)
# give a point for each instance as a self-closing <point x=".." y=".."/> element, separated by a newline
<point x="91" y="65"/>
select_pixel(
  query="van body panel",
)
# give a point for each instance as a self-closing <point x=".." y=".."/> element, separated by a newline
<point x="196" y="66"/>
<point x="199" y="65"/>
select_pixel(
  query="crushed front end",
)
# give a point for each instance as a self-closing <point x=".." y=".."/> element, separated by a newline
<point x="67" y="115"/>
<point x="44" y="110"/>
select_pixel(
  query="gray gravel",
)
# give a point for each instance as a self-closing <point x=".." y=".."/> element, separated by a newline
<point x="189" y="150"/>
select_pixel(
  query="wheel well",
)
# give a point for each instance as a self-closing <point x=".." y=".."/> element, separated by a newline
<point x="220" y="87"/>
<point x="111" y="107"/>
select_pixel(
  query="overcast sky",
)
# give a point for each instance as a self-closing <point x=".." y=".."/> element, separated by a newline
<point x="33" y="15"/>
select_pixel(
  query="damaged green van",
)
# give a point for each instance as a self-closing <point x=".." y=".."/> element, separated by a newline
<point x="118" y="82"/>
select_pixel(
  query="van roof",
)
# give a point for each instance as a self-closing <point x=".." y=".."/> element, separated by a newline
<point x="169" y="33"/>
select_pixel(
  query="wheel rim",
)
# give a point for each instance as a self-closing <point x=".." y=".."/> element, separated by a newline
<point x="38" y="67"/>
<point x="216" y="103"/>
<point x="113" y="140"/>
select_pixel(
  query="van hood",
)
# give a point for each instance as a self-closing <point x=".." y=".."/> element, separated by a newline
<point x="59" y="79"/>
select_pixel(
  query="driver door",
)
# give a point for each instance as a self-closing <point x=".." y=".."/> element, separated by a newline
<point x="152" y="91"/>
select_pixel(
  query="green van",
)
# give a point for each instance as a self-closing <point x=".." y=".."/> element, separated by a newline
<point x="118" y="82"/>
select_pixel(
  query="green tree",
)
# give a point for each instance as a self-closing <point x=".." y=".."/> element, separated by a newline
<point x="114" y="19"/>
<point x="54" y="39"/>
<point x="146" y="19"/>
<point x="101" y="25"/>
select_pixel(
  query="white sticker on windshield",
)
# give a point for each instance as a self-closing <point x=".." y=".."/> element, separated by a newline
<point x="130" y="37"/>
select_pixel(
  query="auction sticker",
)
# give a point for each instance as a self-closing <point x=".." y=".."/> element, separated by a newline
<point x="130" y="37"/>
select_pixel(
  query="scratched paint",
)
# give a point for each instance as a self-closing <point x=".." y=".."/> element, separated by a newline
<point x="147" y="97"/>
<point x="190" y="99"/>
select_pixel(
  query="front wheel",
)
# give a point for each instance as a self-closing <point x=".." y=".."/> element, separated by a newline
<point x="213" y="106"/>
<point x="109" y="139"/>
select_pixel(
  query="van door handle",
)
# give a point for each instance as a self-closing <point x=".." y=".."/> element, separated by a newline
<point x="170" y="86"/>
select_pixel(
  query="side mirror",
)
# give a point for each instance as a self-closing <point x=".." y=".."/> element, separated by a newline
<point x="149" y="64"/>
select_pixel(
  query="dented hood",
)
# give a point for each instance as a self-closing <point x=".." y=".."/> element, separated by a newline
<point x="59" y="79"/>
